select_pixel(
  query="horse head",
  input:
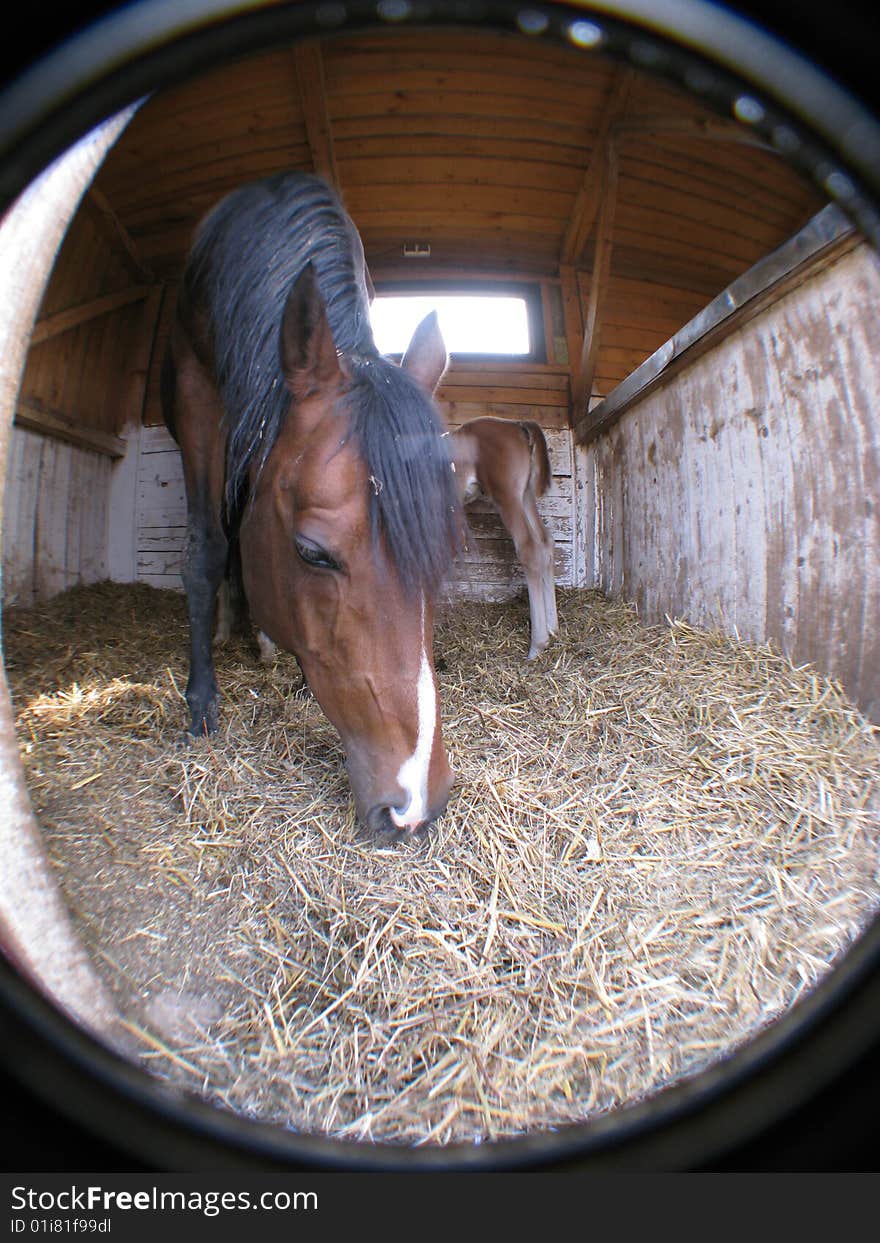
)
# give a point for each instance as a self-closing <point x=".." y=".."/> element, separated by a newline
<point x="350" y="526"/>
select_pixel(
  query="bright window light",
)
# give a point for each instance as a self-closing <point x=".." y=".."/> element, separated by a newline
<point x="470" y="323"/>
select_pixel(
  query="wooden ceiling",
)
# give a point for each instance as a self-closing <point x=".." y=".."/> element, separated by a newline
<point x="508" y="157"/>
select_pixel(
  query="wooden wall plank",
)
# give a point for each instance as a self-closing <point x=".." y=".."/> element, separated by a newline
<point x="52" y="519"/>
<point x="55" y="524"/>
<point x="458" y="412"/>
<point x="20" y="507"/>
<point x="161" y="510"/>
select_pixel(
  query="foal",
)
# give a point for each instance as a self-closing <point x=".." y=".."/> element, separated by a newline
<point x="507" y="462"/>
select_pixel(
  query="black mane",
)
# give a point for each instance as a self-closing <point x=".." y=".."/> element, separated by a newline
<point x="248" y="253"/>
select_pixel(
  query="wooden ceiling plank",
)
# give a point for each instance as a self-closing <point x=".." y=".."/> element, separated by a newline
<point x="554" y="135"/>
<point x="309" y="64"/>
<point x="714" y="128"/>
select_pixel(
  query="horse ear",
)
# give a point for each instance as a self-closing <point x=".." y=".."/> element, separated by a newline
<point x="308" y="351"/>
<point x="426" y="358"/>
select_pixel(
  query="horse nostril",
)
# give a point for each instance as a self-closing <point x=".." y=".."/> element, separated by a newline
<point x="387" y="821"/>
<point x="378" y="822"/>
<point x="403" y="820"/>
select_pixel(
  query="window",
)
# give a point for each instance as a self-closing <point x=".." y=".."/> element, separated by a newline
<point x="501" y="322"/>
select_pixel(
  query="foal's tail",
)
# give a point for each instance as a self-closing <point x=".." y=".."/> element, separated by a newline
<point x="539" y="467"/>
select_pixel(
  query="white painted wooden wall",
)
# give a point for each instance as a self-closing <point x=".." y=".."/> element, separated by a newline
<point x="74" y="516"/>
<point x="487" y="571"/>
<point x="161" y="511"/>
<point x="55" y="517"/>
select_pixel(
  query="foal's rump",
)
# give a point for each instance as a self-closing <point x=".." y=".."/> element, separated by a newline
<point x="507" y="461"/>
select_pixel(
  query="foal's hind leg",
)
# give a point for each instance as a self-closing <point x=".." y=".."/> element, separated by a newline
<point x="530" y="551"/>
<point x="547" y="570"/>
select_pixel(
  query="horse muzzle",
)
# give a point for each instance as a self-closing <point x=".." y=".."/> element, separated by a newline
<point x="400" y="813"/>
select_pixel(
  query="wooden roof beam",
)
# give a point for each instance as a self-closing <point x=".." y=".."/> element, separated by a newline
<point x="582" y="380"/>
<point x="116" y="231"/>
<point x="36" y="417"/>
<point x="63" y="321"/>
<point x="591" y="192"/>
<point x="316" y="115"/>
<point x="313" y="100"/>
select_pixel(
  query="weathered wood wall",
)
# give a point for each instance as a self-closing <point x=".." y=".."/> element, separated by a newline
<point x="742" y="493"/>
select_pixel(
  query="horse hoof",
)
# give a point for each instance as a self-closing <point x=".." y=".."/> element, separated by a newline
<point x="267" y="649"/>
<point x="204" y="724"/>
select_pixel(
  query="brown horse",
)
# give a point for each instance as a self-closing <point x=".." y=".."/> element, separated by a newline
<point x="318" y="470"/>
<point x="507" y="462"/>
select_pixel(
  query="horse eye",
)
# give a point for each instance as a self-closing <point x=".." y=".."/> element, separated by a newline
<point x="314" y="555"/>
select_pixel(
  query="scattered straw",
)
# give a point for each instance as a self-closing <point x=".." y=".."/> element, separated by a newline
<point x="660" y="838"/>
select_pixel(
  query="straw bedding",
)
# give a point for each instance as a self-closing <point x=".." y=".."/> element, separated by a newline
<point x="659" y="839"/>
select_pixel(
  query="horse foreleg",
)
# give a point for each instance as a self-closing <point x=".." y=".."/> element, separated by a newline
<point x="204" y="564"/>
<point x="550" y="597"/>
<point x="194" y="415"/>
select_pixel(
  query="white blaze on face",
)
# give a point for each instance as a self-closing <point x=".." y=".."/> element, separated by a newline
<point x="413" y="773"/>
